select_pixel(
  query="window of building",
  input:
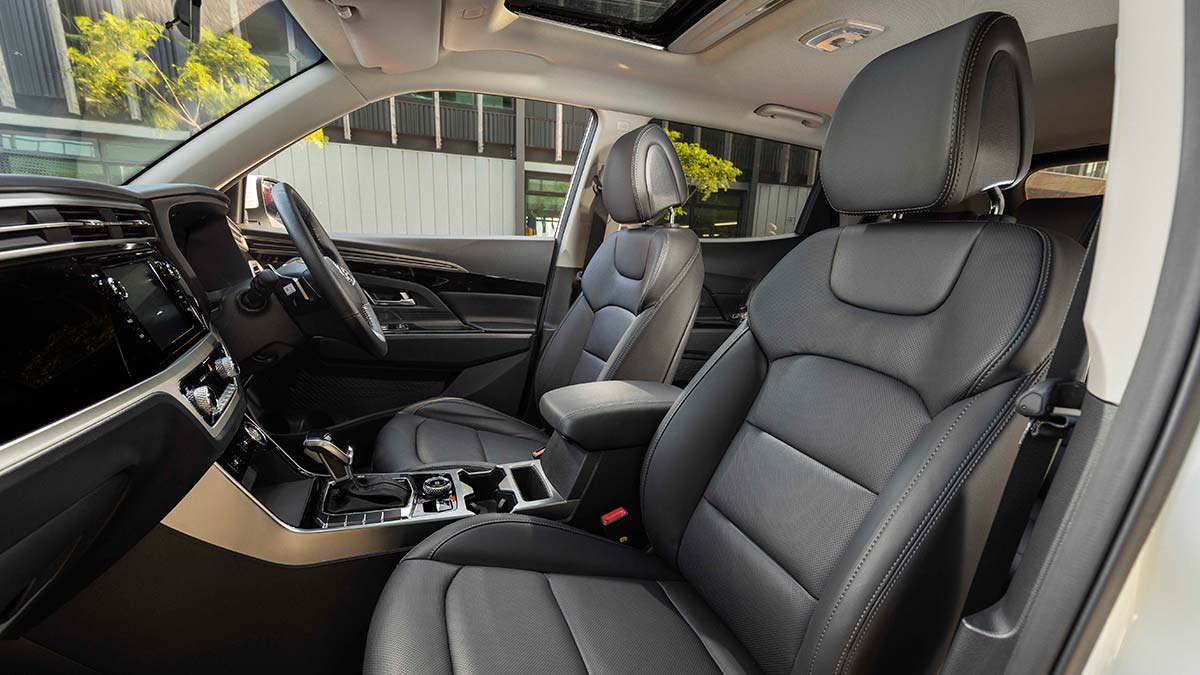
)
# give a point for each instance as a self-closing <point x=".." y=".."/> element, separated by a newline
<point x="1071" y="180"/>
<point x="764" y="199"/>
<point x="446" y="163"/>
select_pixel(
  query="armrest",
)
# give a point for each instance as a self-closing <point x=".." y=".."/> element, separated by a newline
<point x="608" y="415"/>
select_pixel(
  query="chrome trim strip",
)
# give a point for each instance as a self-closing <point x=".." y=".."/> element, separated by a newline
<point x="20" y="450"/>
<point x="97" y="224"/>
<point x="48" y="249"/>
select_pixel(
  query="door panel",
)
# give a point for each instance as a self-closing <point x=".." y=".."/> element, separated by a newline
<point x="732" y="270"/>
<point x="460" y="316"/>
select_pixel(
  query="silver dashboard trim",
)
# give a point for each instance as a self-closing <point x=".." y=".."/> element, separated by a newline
<point x="97" y="224"/>
<point x="220" y="511"/>
<point x="22" y="449"/>
<point x="48" y="249"/>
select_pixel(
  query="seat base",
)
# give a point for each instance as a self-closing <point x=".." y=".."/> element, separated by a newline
<point x="444" y="430"/>
<point x="520" y="594"/>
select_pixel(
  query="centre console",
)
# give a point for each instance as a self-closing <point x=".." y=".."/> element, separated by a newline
<point x="335" y="498"/>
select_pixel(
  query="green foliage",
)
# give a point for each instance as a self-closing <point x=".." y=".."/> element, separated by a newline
<point x="705" y="172"/>
<point x="111" y="62"/>
<point x="318" y="138"/>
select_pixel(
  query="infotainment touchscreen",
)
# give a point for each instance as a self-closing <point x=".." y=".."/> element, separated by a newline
<point x="150" y="303"/>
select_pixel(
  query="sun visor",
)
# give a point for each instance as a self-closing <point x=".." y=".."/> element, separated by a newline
<point x="393" y="41"/>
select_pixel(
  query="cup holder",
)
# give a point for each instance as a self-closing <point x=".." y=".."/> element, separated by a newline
<point x="487" y="496"/>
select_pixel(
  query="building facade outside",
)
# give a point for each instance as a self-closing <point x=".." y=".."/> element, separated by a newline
<point x="429" y="163"/>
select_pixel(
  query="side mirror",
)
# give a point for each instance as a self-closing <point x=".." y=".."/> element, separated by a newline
<point x="259" y="203"/>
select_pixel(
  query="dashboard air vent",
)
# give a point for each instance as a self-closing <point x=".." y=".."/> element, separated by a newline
<point x="29" y="228"/>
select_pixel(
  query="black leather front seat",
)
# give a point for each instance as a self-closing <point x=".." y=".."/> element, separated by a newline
<point x="819" y="496"/>
<point x="639" y="296"/>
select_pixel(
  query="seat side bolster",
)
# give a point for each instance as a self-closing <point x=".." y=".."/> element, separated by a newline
<point x="535" y="544"/>
<point x="918" y="530"/>
<point x="420" y="647"/>
<point x="691" y="441"/>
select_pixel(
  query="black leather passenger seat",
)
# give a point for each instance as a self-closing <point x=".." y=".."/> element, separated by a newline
<point x="820" y="495"/>
<point x="639" y="296"/>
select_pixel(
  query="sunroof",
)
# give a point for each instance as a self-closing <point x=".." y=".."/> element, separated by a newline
<point x="656" y="22"/>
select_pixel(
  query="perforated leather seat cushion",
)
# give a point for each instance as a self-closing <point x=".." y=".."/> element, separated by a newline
<point x="609" y="610"/>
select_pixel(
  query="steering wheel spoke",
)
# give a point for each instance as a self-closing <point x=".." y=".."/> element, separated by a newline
<point x="338" y="290"/>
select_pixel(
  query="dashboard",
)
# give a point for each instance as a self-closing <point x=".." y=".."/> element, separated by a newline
<point x="117" y="390"/>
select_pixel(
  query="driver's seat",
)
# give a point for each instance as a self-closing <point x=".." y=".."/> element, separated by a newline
<point x="640" y="293"/>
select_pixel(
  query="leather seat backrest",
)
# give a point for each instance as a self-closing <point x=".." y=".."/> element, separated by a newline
<point x="641" y="289"/>
<point x="828" y="479"/>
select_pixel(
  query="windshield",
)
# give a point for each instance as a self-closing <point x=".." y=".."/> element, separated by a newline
<point x="101" y="89"/>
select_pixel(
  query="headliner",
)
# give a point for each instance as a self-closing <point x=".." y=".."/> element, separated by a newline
<point x="1071" y="49"/>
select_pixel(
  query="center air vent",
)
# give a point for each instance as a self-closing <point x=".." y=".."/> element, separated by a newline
<point x="29" y="228"/>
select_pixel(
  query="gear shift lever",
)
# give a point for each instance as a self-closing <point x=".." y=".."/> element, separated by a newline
<point x="350" y="493"/>
<point x="319" y="445"/>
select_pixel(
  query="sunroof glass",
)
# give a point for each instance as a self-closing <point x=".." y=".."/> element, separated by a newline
<point x="636" y="11"/>
<point x="653" y="21"/>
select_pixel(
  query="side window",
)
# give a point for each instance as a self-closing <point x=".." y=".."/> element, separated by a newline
<point x="741" y="186"/>
<point x="1072" y="180"/>
<point x="447" y="163"/>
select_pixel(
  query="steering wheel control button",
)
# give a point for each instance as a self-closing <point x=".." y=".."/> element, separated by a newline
<point x="437" y="487"/>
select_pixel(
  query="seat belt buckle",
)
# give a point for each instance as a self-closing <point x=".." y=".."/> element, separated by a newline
<point x="1052" y="406"/>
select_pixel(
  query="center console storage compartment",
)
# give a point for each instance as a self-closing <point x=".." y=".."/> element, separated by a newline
<point x="530" y="484"/>
<point x="602" y="430"/>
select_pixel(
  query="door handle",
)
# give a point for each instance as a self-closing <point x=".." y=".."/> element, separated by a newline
<point x="405" y="300"/>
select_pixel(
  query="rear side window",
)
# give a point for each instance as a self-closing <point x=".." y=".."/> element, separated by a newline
<point x="741" y="186"/>
<point x="1070" y="180"/>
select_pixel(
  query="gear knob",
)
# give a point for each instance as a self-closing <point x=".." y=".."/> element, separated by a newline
<point x="319" y="445"/>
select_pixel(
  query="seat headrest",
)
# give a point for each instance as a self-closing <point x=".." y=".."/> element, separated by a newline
<point x="642" y="176"/>
<point x="934" y="121"/>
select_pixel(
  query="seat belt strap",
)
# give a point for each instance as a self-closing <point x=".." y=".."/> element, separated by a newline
<point x="596" y="230"/>
<point x="1052" y="406"/>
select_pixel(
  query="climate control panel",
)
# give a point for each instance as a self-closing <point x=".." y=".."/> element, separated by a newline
<point x="212" y="385"/>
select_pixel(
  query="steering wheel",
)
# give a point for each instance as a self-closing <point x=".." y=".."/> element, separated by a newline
<point x="328" y="270"/>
